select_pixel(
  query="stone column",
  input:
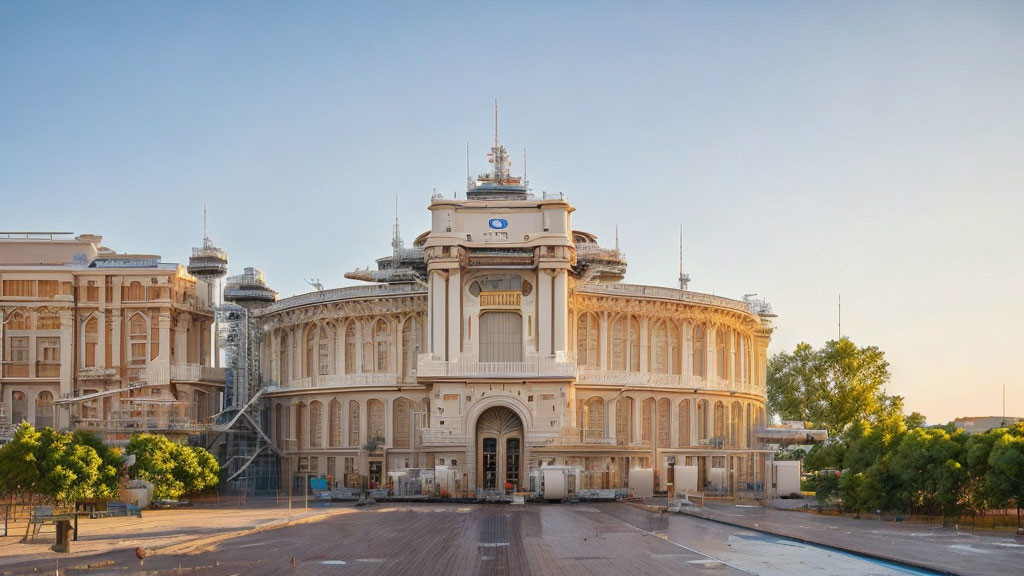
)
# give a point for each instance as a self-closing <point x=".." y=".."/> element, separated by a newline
<point x="561" y="311"/>
<point x="165" y="336"/>
<point x="544" y="320"/>
<point x="454" y="314"/>
<point x="67" y="348"/>
<point x="436" y="316"/>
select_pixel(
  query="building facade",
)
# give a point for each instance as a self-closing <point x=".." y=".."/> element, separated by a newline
<point x="102" y="341"/>
<point x="502" y="341"/>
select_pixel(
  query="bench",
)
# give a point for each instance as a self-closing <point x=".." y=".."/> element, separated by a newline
<point x="123" y="509"/>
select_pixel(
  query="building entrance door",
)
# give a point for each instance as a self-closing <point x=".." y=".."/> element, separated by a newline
<point x="499" y="433"/>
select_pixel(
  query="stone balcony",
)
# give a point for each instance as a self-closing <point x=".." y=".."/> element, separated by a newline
<point x="536" y="367"/>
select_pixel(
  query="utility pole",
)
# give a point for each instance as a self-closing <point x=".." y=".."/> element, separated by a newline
<point x="840" y="316"/>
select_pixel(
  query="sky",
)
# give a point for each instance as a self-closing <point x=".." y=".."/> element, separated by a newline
<point x="808" y="150"/>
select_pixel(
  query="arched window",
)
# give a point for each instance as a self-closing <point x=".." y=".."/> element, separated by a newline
<point x="626" y="344"/>
<point x="647" y="409"/>
<point x="403" y="423"/>
<point x="283" y="364"/>
<point x="593" y="419"/>
<point x="375" y="420"/>
<point x="624" y="420"/>
<point x="90" y="339"/>
<point x="659" y="349"/>
<point x="138" y="340"/>
<point x="721" y="359"/>
<point x="325" y="348"/>
<point x="703" y="413"/>
<point x="684" y="423"/>
<point x="353" y="423"/>
<point x="411" y="345"/>
<point x="737" y="356"/>
<point x="664" y="348"/>
<point x="316" y="424"/>
<point x="19" y="407"/>
<point x="335" y="416"/>
<point x="301" y="420"/>
<point x="699" y="356"/>
<point x="719" y="420"/>
<point x="382" y="345"/>
<point x="134" y="292"/>
<point x="350" y="348"/>
<point x="735" y="425"/>
<point x="587" y="340"/>
<point x="663" y="423"/>
<point x="19" y="320"/>
<point x="310" y="356"/>
<point x="750" y="426"/>
<point x="279" y="426"/>
<point x="44" y="409"/>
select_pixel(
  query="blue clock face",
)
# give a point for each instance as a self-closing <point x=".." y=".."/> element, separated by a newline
<point x="498" y="223"/>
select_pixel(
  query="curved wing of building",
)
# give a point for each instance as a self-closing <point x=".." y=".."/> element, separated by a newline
<point x="511" y="346"/>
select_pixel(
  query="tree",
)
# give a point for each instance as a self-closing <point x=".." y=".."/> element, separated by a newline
<point x="19" y="473"/>
<point x="831" y="387"/>
<point x="111" y="461"/>
<point x="1006" y="468"/>
<point x="48" y="463"/>
<point x="173" y="469"/>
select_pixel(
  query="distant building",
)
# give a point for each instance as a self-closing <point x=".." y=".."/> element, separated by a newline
<point x="95" y="340"/>
<point x="984" y="423"/>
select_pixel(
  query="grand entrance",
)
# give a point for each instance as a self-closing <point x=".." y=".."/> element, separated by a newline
<point x="499" y="449"/>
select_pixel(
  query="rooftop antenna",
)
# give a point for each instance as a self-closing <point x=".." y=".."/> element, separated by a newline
<point x="495" y="122"/>
<point x="684" y="279"/>
<point x="469" y="180"/>
<point x="524" y="165"/>
<point x="315" y="283"/>
<point x="616" y="237"/>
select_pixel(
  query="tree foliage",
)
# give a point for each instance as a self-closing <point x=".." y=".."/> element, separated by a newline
<point x="831" y="387"/>
<point x="58" y="465"/>
<point x="173" y="469"/>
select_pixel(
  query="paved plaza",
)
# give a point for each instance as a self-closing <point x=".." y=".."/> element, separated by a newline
<point x="547" y="539"/>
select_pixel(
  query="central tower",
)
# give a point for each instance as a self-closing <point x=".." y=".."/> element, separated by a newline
<point x="498" y="335"/>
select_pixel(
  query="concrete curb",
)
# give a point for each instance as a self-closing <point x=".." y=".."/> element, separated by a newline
<point x="870" y="555"/>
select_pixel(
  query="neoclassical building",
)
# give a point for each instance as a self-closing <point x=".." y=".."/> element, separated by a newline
<point x="503" y="339"/>
<point x="113" y="343"/>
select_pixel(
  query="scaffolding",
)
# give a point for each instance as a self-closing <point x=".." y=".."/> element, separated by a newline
<point x="249" y="460"/>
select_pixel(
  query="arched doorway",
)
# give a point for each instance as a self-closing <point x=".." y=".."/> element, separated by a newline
<point x="499" y="449"/>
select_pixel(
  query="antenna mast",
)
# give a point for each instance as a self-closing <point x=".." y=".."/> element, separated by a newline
<point x="840" y="316"/>
<point x="495" y="122"/>
<point x="684" y="279"/>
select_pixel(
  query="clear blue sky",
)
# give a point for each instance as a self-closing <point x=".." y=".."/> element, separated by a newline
<point x="808" y="149"/>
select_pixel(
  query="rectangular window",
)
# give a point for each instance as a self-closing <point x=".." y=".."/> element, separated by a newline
<point x="501" y="337"/>
<point x="304" y="464"/>
<point x="18" y="349"/>
<point x="332" y="466"/>
<point x="48" y="288"/>
<point x="23" y="288"/>
<point x="48" y="350"/>
<point x="350" y="465"/>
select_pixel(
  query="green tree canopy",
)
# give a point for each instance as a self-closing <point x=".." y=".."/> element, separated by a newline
<point x="173" y="469"/>
<point x="49" y="463"/>
<point x="831" y="387"/>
